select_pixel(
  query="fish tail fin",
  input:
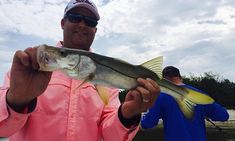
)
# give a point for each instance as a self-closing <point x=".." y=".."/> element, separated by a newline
<point x="198" y="97"/>
<point x="187" y="107"/>
<point x="103" y="93"/>
<point x="155" y="65"/>
<point x="188" y="103"/>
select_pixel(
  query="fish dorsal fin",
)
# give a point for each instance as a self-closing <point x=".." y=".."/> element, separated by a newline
<point x="155" y="65"/>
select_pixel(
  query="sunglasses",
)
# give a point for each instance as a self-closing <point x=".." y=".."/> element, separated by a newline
<point x="77" y="18"/>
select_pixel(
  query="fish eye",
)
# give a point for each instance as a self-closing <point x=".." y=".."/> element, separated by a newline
<point x="46" y="59"/>
<point x="63" y="53"/>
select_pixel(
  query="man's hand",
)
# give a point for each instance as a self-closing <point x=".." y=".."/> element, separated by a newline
<point x="26" y="82"/>
<point x="141" y="98"/>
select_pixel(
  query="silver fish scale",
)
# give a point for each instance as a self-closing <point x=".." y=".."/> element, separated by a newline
<point x="109" y="77"/>
<point x="86" y="67"/>
<point x="83" y="68"/>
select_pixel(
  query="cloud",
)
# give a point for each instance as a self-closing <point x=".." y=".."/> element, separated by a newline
<point x="38" y="18"/>
<point x="196" y="36"/>
<point x="5" y="63"/>
<point x="190" y="34"/>
<point x="211" y="22"/>
<point x="168" y="26"/>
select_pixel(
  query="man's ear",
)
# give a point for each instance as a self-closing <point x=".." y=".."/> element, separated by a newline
<point x="62" y="23"/>
<point x="95" y="29"/>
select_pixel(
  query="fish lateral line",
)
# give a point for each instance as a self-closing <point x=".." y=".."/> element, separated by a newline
<point x="104" y="61"/>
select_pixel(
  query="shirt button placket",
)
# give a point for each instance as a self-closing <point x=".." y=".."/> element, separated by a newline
<point x="71" y="132"/>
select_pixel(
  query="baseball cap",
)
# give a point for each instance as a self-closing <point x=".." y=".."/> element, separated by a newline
<point x="83" y="3"/>
<point x="171" y="71"/>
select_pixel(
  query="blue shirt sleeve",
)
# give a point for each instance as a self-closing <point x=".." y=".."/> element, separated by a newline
<point x="151" y="117"/>
<point x="216" y="112"/>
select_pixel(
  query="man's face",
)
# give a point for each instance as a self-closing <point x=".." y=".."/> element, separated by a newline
<point x="78" y="35"/>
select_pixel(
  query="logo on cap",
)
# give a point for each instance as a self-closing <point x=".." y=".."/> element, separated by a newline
<point x="85" y="1"/>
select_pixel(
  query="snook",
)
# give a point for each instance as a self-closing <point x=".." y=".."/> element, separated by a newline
<point x="103" y="70"/>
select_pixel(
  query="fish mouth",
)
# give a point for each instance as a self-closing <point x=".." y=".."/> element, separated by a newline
<point x="41" y="60"/>
<point x="46" y="61"/>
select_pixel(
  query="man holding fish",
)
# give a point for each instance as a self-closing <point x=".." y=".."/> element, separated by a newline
<point x="43" y="105"/>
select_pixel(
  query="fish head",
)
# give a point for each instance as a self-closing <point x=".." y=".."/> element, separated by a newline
<point x="53" y="58"/>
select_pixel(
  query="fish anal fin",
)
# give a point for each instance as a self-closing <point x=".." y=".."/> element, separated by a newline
<point x="103" y="93"/>
<point x="155" y="65"/>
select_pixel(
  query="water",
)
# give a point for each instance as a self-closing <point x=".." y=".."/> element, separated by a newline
<point x="227" y="132"/>
<point x="231" y="114"/>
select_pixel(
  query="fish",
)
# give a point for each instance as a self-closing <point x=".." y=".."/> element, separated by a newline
<point x="113" y="72"/>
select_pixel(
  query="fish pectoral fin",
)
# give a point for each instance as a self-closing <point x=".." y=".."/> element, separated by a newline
<point x="80" y="85"/>
<point x="187" y="107"/>
<point x="198" y="98"/>
<point x="83" y="82"/>
<point x="103" y="93"/>
<point x="87" y="79"/>
<point x="155" y="65"/>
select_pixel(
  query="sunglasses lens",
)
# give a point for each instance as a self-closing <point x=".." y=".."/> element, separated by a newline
<point x="90" y="21"/>
<point x="74" y="18"/>
<point x="77" y="18"/>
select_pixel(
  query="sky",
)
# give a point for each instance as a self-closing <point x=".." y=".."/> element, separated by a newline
<point x="196" y="36"/>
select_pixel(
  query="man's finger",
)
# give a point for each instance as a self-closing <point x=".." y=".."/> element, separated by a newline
<point x="32" y="56"/>
<point x="155" y="85"/>
<point x="145" y="95"/>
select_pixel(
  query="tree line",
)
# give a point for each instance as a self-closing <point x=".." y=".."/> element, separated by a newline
<point x="220" y="89"/>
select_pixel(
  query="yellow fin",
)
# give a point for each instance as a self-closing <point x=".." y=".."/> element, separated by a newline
<point x="103" y="93"/>
<point x="79" y="85"/>
<point x="88" y="78"/>
<point x="84" y="81"/>
<point x="190" y="100"/>
<point x="198" y="98"/>
<point x="187" y="107"/>
<point x="155" y="65"/>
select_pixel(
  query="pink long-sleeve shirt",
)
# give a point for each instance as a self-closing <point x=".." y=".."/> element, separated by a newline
<point x="65" y="112"/>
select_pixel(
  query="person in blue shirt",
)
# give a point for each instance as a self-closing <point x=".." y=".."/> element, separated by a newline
<point x="176" y="126"/>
